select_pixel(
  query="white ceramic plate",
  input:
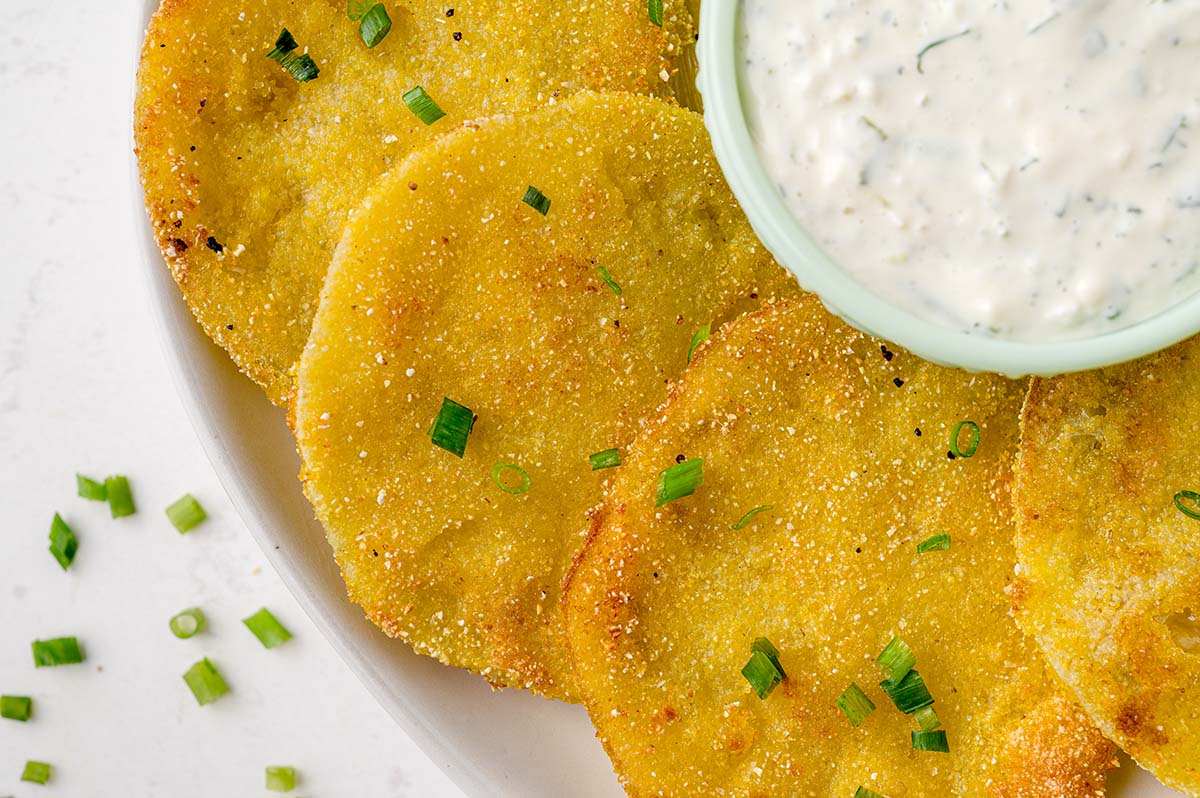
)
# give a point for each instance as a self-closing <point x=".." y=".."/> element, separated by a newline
<point x="489" y="743"/>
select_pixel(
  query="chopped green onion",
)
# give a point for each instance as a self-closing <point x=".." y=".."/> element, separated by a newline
<point x="422" y="105"/>
<point x="863" y="792"/>
<point x="452" y="427"/>
<point x="927" y="718"/>
<point x="300" y="67"/>
<point x="855" y="705"/>
<point x="186" y="513"/>
<point x="939" y="542"/>
<point x="896" y="660"/>
<point x="36" y="772"/>
<point x="931" y="741"/>
<point x="120" y="498"/>
<point x="910" y="694"/>
<point x="1188" y="503"/>
<point x="767" y="647"/>
<point x="654" y="10"/>
<point x="59" y="651"/>
<point x="537" y="200"/>
<point x="269" y="631"/>
<point x="680" y="480"/>
<point x="63" y="543"/>
<point x="16" y="707"/>
<point x="609" y="458"/>
<point x="700" y="336"/>
<point x="763" y="671"/>
<point x="972" y="439"/>
<point x="188" y="623"/>
<point x="357" y="9"/>
<point x="90" y="489"/>
<point x="281" y="778"/>
<point x="375" y="25"/>
<point x="605" y="275"/>
<point x="746" y="519"/>
<point x="205" y="682"/>
<point x="498" y="471"/>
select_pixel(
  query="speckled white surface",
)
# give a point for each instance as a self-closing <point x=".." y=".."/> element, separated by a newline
<point x="83" y="386"/>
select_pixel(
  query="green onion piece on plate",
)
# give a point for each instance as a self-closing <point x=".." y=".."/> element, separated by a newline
<point x="281" y="778"/>
<point x="927" y="718"/>
<point x="300" y="67"/>
<point x="452" y="427"/>
<point x="1188" y="503"/>
<point x="896" y="660"/>
<point x="748" y="518"/>
<point x="63" y="543"/>
<point x="375" y="25"/>
<point x="90" y="489"/>
<point x="700" y="336"/>
<point x="680" y="480"/>
<point x="535" y="199"/>
<point x="910" y="695"/>
<point x="58" y="651"/>
<point x="523" y="481"/>
<point x="863" y="792"/>
<point x="763" y="671"/>
<point x="931" y="741"/>
<point x="654" y="9"/>
<point x="939" y="542"/>
<point x="120" y="498"/>
<point x="855" y="705"/>
<point x="972" y="439"/>
<point x="188" y="623"/>
<point x="36" y="772"/>
<point x="609" y="458"/>
<point x="205" y="682"/>
<point x="422" y="105"/>
<point x="269" y="631"/>
<point x="16" y="707"/>
<point x="186" y="513"/>
<point x="605" y="275"/>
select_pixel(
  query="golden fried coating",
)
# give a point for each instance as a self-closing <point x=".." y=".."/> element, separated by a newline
<point x="847" y="442"/>
<point x="448" y="285"/>
<point x="1109" y="579"/>
<point x="250" y="176"/>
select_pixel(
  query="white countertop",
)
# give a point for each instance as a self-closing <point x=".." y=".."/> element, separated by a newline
<point x="84" y="387"/>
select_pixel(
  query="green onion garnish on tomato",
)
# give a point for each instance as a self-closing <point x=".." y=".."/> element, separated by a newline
<point x="16" y="707"/>
<point x="535" y="199"/>
<point x="300" y="67"/>
<point x="605" y="275"/>
<point x="90" y="489"/>
<point x="1188" y="503"/>
<point x="205" y="682"/>
<point x="186" y="513"/>
<point x="375" y="25"/>
<point x="910" y="694"/>
<point x="855" y="705"/>
<point x="188" y="623"/>
<point x="931" y="741"/>
<point x="522" y="478"/>
<point x="680" y="480"/>
<point x="120" y="497"/>
<point x="422" y="105"/>
<point x="939" y="542"/>
<point x="896" y="660"/>
<point x="972" y="439"/>
<point x="863" y="792"/>
<point x="452" y="427"/>
<point x="654" y="9"/>
<point x="609" y="458"/>
<point x="281" y="778"/>
<point x="36" y="772"/>
<point x="700" y="336"/>
<point x="748" y="518"/>
<point x="57" y="651"/>
<point x="927" y="718"/>
<point x="63" y="543"/>
<point x="269" y="631"/>
<point x="763" y="671"/>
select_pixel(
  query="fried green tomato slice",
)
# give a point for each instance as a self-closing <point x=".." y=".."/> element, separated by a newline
<point x="845" y="442"/>
<point x="559" y="333"/>
<point x="1109" y="579"/>
<point x="250" y="175"/>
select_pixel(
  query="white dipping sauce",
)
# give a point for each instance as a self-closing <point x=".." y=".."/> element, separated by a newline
<point x="1027" y="169"/>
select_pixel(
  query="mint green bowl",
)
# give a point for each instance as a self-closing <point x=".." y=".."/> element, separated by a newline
<point x="718" y="82"/>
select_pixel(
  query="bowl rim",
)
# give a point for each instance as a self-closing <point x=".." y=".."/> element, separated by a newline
<point x="724" y="116"/>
